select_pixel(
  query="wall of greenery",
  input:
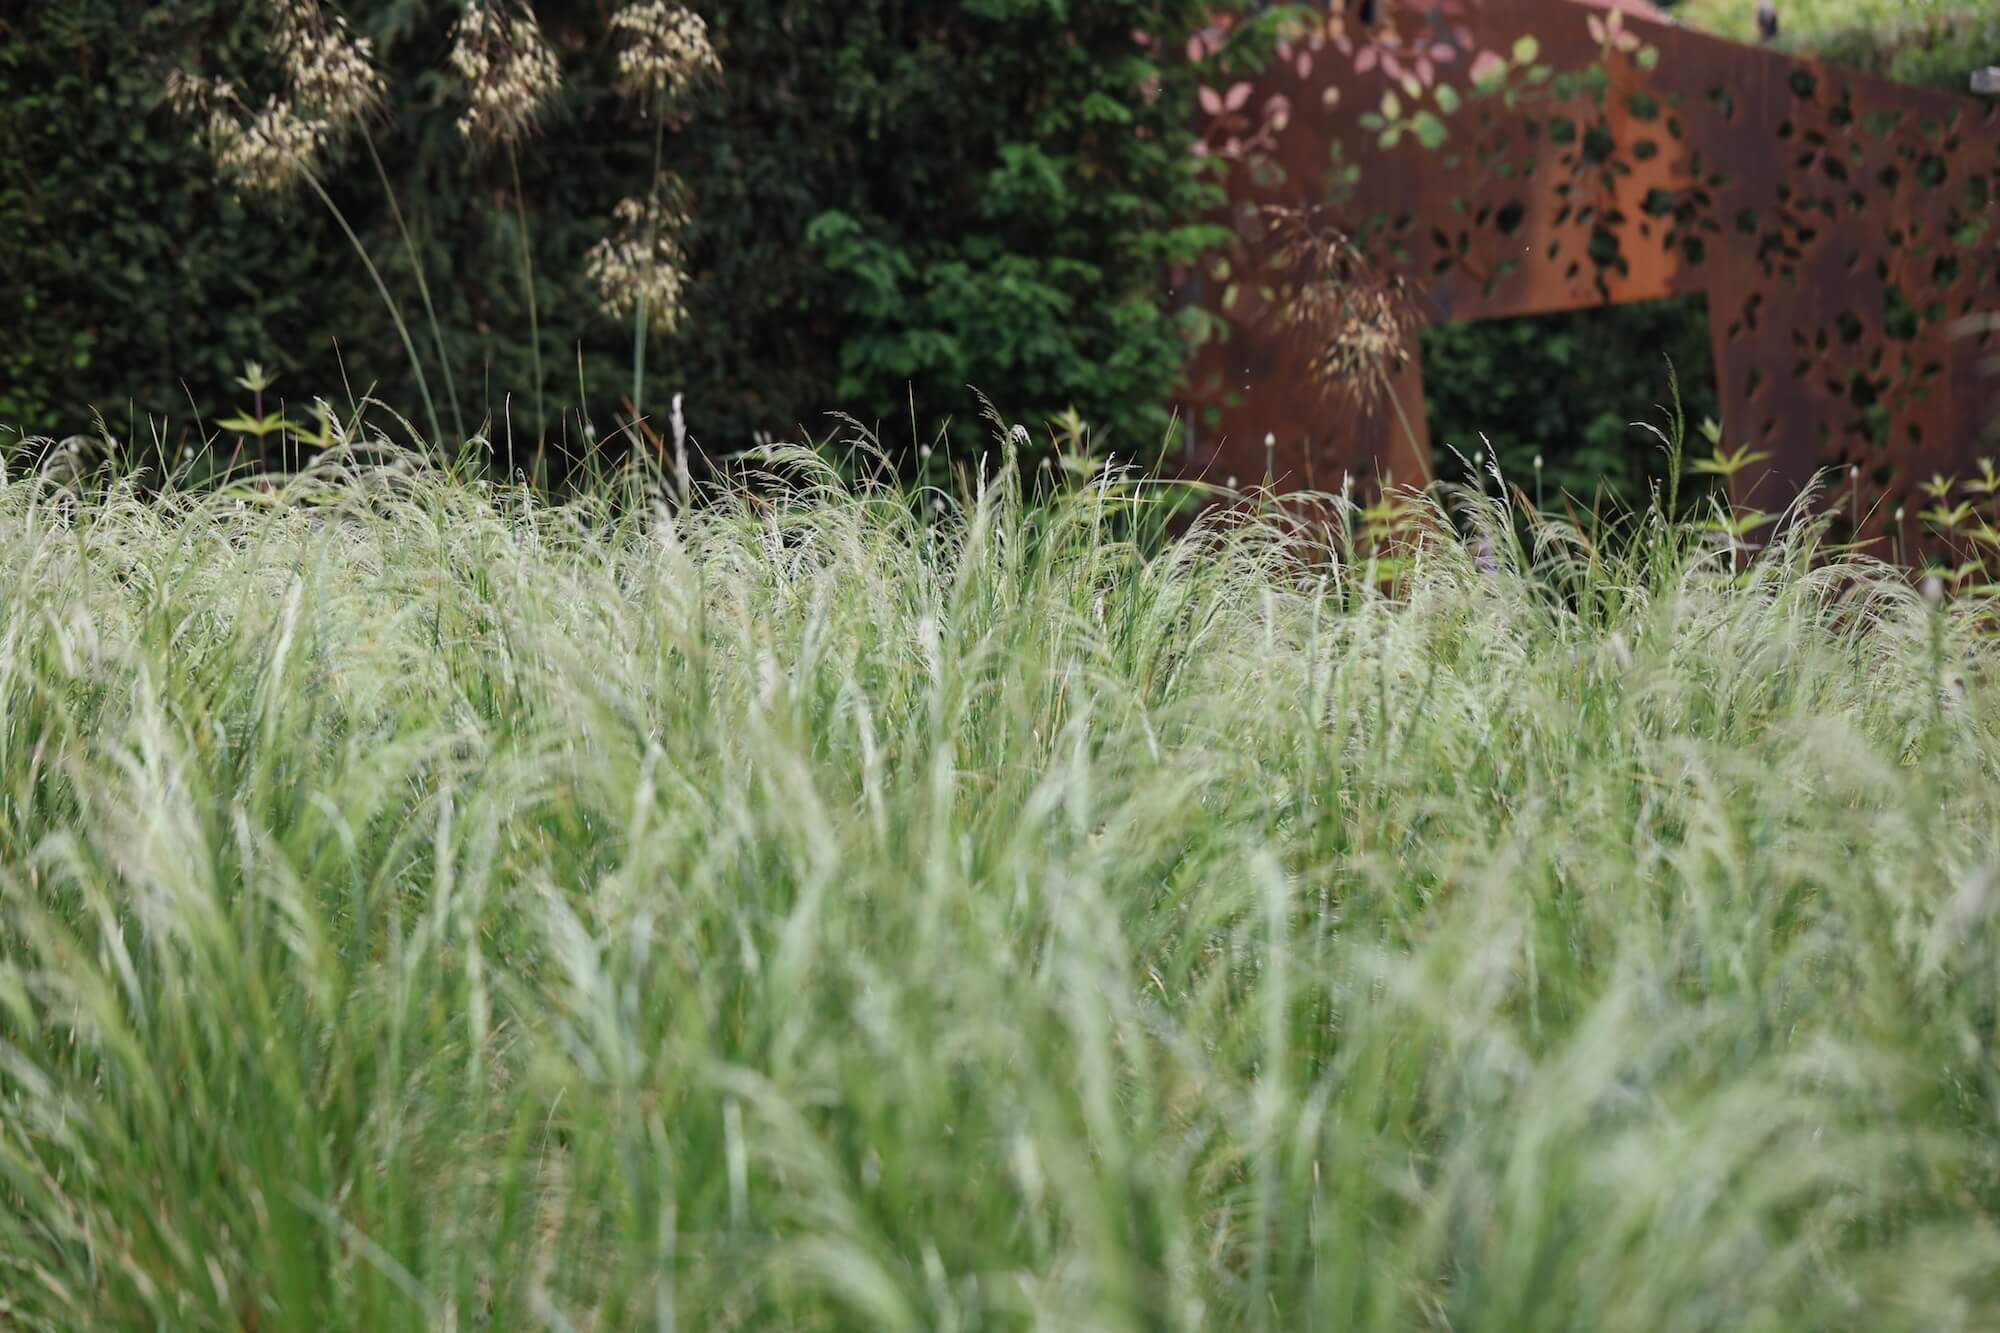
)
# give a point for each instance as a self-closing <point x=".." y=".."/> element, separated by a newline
<point x="893" y="200"/>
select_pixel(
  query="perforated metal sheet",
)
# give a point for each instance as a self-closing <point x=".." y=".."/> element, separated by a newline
<point x="1841" y="229"/>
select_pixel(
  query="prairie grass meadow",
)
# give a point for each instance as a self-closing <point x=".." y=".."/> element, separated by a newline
<point x="426" y="904"/>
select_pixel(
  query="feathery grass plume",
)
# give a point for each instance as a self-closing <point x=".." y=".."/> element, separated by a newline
<point x="640" y="265"/>
<point x="663" y="52"/>
<point x="508" y="69"/>
<point x="331" y="85"/>
<point x="1357" y="317"/>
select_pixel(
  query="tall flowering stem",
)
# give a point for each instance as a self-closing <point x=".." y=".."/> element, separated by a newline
<point x="510" y="75"/>
<point x="664" y="55"/>
<point x="423" y="284"/>
<point x="661" y="276"/>
<point x="1356" y="318"/>
<point x="528" y="286"/>
<point x="331" y="86"/>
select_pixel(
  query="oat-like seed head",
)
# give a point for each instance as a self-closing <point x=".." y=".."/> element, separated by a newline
<point x="663" y="51"/>
<point x="330" y="70"/>
<point x="643" y="259"/>
<point x="330" y="85"/>
<point x="1358" y="317"/>
<point x="509" y="71"/>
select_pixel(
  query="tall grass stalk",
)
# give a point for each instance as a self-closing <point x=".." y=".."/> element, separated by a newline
<point x="394" y="307"/>
<point x="423" y="283"/>
<point x="639" y="312"/>
<point x="528" y="285"/>
<point x="424" y="905"/>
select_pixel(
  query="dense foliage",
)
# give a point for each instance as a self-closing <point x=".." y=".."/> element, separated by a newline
<point x="123" y="271"/>
<point x="1566" y="388"/>
<point x="892" y="201"/>
<point x="425" y="908"/>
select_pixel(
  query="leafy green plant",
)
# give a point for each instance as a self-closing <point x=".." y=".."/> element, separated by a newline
<point x="1038" y="262"/>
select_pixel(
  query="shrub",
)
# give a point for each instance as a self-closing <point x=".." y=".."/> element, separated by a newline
<point x="1562" y="388"/>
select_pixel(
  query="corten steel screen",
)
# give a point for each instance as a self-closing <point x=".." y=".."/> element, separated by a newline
<point x="1841" y="228"/>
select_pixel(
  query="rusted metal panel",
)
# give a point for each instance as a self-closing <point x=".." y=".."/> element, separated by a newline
<point x="1840" y="228"/>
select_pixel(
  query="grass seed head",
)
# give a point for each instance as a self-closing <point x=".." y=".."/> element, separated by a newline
<point x="642" y="261"/>
<point x="1357" y="318"/>
<point x="265" y="150"/>
<point x="510" y="73"/>
<point x="329" y="69"/>
<point x="331" y="85"/>
<point x="663" y="51"/>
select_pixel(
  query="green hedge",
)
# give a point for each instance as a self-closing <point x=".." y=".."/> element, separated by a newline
<point x="122" y="270"/>
<point x="895" y="199"/>
<point x="1568" y="387"/>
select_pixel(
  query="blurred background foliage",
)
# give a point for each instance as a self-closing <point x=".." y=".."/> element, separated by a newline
<point x="1935" y="43"/>
<point x="895" y="201"/>
<point x="1566" y="388"/>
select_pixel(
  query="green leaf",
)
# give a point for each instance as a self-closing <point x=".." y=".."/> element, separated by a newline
<point x="1448" y="99"/>
<point x="1392" y="106"/>
<point x="268" y="424"/>
<point x="1100" y="107"/>
<point x="1429" y="129"/>
<point x="1525" y="50"/>
<point x="1648" y="56"/>
<point x="1742" y="524"/>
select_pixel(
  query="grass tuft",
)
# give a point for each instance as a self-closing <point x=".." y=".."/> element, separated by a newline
<point x="426" y="906"/>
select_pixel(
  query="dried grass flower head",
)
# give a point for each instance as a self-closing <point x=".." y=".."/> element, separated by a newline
<point x="510" y="72"/>
<point x="330" y="70"/>
<point x="1357" y="317"/>
<point x="663" y="51"/>
<point x="330" y="84"/>
<point x="642" y="261"/>
<point x="263" y="150"/>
